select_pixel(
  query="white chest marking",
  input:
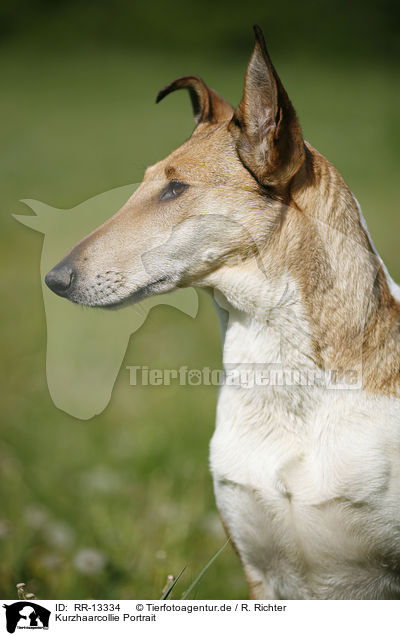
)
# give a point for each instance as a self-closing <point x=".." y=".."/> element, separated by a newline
<point x="307" y="479"/>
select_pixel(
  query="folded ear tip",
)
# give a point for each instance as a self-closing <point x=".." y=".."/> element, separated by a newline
<point x="187" y="81"/>
<point x="207" y="105"/>
<point x="165" y="90"/>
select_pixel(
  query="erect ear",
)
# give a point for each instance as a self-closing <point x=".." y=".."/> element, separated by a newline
<point x="265" y="125"/>
<point x="208" y="106"/>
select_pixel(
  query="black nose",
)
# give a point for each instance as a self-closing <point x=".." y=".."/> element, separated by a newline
<point x="59" y="279"/>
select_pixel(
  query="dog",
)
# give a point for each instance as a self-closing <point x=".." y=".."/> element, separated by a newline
<point x="306" y="473"/>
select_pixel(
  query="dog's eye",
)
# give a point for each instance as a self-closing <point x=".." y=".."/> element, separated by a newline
<point x="173" y="190"/>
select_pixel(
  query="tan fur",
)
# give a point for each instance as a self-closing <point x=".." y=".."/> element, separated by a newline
<point x="345" y="334"/>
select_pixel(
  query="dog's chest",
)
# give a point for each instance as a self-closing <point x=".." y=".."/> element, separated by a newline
<point x="304" y="496"/>
<point x="307" y="478"/>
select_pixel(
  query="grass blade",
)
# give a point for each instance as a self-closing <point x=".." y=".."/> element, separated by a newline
<point x="171" y="587"/>
<point x="203" y="571"/>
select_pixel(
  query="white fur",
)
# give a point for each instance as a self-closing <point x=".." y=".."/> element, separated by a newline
<point x="306" y="478"/>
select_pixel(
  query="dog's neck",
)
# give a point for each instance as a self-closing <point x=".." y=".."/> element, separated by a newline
<point x="264" y="326"/>
<point x="323" y="297"/>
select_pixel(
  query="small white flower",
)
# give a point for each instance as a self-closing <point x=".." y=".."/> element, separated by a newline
<point x="89" y="561"/>
<point x="161" y="555"/>
<point x="59" y="534"/>
<point x="36" y="517"/>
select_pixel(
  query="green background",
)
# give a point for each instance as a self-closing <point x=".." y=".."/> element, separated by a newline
<point x="78" y="82"/>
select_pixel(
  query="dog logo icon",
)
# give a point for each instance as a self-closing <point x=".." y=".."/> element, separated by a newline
<point x="26" y="615"/>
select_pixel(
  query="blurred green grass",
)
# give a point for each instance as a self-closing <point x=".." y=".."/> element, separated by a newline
<point x="133" y="483"/>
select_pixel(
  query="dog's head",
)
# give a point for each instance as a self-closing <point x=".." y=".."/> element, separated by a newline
<point x="210" y="204"/>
